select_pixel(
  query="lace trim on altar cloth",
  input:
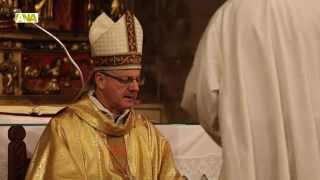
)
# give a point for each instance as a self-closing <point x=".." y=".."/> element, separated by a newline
<point x="200" y="168"/>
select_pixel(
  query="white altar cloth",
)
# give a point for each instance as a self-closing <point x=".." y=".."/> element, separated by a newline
<point x="195" y="153"/>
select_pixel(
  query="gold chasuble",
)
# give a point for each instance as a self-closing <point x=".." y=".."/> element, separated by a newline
<point x="82" y="143"/>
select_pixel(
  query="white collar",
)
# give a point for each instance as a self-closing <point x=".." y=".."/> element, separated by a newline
<point x="117" y="120"/>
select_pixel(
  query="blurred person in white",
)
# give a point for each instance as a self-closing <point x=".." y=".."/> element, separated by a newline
<point x="101" y="136"/>
<point x="256" y="73"/>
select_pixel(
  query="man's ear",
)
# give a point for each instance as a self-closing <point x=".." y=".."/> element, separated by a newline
<point x="98" y="77"/>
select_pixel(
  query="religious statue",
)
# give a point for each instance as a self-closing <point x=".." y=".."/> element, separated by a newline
<point x="31" y="72"/>
<point x="45" y="8"/>
<point x="117" y="9"/>
<point x="9" y="71"/>
<point x="113" y="8"/>
<point x="53" y="71"/>
<point x="6" y="14"/>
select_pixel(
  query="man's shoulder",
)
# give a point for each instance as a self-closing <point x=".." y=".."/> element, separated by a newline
<point x="148" y="132"/>
<point x="141" y="119"/>
<point x="143" y="122"/>
<point x="64" y="117"/>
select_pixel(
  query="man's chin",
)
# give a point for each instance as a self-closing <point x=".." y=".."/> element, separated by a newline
<point x="129" y="104"/>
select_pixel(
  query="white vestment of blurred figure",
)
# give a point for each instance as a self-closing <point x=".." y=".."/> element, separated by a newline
<point x="257" y="72"/>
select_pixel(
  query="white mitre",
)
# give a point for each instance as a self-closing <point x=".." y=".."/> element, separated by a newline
<point x="116" y="45"/>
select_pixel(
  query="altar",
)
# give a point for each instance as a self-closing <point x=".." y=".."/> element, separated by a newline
<point x="196" y="155"/>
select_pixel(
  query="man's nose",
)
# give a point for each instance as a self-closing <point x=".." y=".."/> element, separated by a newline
<point x="134" y="86"/>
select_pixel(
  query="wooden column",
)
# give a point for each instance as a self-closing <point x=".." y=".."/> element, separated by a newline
<point x="17" y="153"/>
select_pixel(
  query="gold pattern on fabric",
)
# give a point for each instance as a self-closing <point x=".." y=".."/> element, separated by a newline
<point x="73" y="146"/>
<point x="132" y="40"/>
<point x="117" y="60"/>
<point x="117" y="149"/>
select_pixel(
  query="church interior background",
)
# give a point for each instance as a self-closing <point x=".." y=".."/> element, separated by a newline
<point x="34" y="70"/>
<point x="37" y="79"/>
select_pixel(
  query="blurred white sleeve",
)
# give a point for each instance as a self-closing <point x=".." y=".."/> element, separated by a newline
<point x="200" y="98"/>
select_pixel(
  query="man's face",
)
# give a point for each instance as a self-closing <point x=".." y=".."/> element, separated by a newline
<point x="117" y="90"/>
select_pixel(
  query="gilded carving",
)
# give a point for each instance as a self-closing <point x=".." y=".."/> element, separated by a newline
<point x="8" y="70"/>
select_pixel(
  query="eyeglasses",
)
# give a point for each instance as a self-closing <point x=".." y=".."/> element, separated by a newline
<point x="126" y="80"/>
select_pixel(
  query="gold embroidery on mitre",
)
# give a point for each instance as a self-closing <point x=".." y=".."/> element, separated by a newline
<point x="132" y="39"/>
<point x="117" y="60"/>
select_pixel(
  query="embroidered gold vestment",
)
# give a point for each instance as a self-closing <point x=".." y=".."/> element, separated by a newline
<point x="74" y="146"/>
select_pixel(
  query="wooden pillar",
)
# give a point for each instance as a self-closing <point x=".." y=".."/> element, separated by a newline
<point x="17" y="153"/>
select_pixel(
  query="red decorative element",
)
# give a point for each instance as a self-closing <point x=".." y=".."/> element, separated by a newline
<point x="131" y="59"/>
<point x="39" y="69"/>
<point x="132" y="39"/>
